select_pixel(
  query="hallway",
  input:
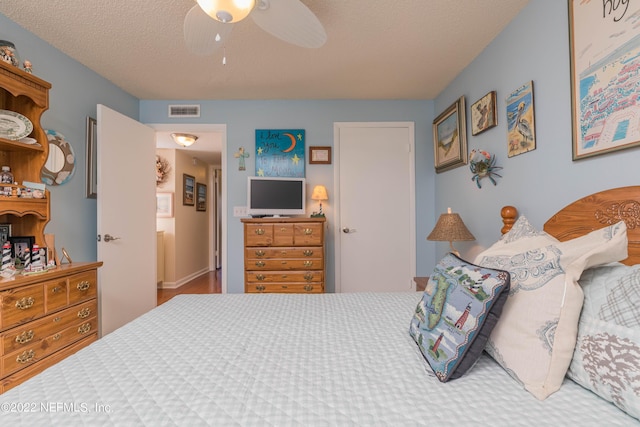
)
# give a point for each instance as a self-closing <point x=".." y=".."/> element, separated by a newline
<point x="209" y="283"/>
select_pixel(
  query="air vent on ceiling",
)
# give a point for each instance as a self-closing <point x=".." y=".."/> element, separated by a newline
<point x="184" y="110"/>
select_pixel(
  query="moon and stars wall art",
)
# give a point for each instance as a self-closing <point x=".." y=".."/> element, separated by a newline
<point x="280" y="152"/>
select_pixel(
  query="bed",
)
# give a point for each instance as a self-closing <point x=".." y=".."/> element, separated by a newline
<point x="307" y="360"/>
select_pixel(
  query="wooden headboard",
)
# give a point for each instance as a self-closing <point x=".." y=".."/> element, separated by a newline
<point x="590" y="213"/>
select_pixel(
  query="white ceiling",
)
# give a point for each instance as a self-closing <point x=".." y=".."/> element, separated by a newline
<point x="376" y="49"/>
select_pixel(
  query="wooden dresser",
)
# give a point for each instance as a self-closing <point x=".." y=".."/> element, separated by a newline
<point x="284" y="255"/>
<point x="44" y="318"/>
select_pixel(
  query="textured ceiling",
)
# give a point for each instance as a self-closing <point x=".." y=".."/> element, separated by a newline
<point x="380" y="49"/>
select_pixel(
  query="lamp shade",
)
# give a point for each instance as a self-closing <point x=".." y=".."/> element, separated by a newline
<point x="227" y="11"/>
<point x="319" y="193"/>
<point x="450" y="228"/>
<point x="184" y="139"/>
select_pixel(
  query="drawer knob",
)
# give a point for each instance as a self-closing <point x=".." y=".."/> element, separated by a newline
<point x="84" y="328"/>
<point x="83" y="286"/>
<point x="260" y="288"/>
<point x="260" y="276"/>
<point x="259" y="231"/>
<point x="25" y="337"/>
<point x="308" y="288"/>
<point x="308" y="263"/>
<point x="84" y="313"/>
<point x="56" y="337"/>
<point x="26" y="357"/>
<point x="307" y="252"/>
<point x="56" y="289"/>
<point x="259" y="253"/>
<point x="308" y="276"/>
<point x="25" y="303"/>
<point x="260" y="263"/>
<point x="308" y="231"/>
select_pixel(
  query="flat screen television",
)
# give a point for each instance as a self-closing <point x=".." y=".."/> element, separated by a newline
<point x="275" y="196"/>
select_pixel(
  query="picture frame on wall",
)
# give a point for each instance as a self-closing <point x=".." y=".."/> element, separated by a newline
<point x="483" y="113"/>
<point x="164" y="205"/>
<point x="280" y="152"/>
<point x="604" y="58"/>
<point x="201" y="191"/>
<point x="521" y="127"/>
<point x="188" y="189"/>
<point x="450" y="137"/>
<point x="319" y="155"/>
<point x="92" y="158"/>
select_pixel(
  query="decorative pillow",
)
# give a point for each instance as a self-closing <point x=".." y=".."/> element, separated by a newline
<point x="536" y="336"/>
<point x="606" y="359"/>
<point x="460" y="306"/>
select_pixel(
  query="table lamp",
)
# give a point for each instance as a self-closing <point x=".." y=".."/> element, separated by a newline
<point x="450" y="228"/>
<point x="319" y="194"/>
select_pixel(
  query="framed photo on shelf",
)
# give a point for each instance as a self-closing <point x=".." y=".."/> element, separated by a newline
<point x="5" y="233"/>
<point x="450" y="137"/>
<point x="201" y="191"/>
<point x="164" y="205"/>
<point x="319" y="155"/>
<point x="188" y="189"/>
<point x="483" y="113"/>
<point x="19" y="246"/>
<point x="605" y="57"/>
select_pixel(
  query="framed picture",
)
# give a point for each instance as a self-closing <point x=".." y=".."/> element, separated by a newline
<point x="483" y="113"/>
<point x="201" y="191"/>
<point x="280" y="152"/>
<point x="521" y="130"/>
<point x="92" y="159"/>
<point x="188" y="190"/>
<point x="605" y="57"/>
<point x="319" y="155"/>
<point x="450" y="137"/>
<point x="19" y="246"/>
<point x="5" y="233"/>
<point x="164" y="205"/>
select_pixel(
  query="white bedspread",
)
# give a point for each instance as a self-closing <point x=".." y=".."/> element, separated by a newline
<point x="282" y="360"/>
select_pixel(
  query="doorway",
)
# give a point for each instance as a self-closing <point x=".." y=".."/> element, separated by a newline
<point x="374" y="231"/>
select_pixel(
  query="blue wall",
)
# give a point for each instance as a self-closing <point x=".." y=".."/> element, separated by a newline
<point x="534" y="46"/>
<point x="75" y="92"/>
<point x="317" y="118"/>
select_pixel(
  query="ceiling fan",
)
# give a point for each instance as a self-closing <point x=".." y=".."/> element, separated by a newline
<point x="208" y="24"/>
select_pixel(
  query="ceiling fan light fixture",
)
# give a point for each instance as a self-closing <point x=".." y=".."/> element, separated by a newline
<point x="227" y="11"/>
<point x="184" y="139"/>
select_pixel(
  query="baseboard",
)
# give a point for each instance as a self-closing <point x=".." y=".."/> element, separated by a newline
<point x="182" y="281"/>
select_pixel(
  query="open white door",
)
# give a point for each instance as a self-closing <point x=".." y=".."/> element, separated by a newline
<point x="126" y="218"/>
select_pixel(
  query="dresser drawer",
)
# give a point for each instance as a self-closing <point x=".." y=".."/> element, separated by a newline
<point x="21" y="305"/>
<point x="36" y="351"/>
<point x="258" y="234"/>
<point x="308" y="234"/>
<point x="284" y="276"/>
<point x="293" y="288"/>
<point x="22" y="336"/>
<point x="283" y="234"/>
<point x="83" y="286"/>
<point x="277" y="253"/>
<point x="55" y="293"/>
<point x="284" y="264"/>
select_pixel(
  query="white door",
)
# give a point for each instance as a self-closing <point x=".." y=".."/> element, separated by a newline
<point x="375" y="226"/>
<point x="126" y="212"/>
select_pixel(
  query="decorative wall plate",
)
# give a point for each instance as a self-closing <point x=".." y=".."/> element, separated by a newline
<point x="60" y="164"/>
<point x="14" y="125"/>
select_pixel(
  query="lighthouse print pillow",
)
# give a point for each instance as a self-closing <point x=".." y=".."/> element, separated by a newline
<point x="460" y="306"/>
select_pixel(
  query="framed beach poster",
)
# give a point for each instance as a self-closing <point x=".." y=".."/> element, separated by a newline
<point x="450" y="137"/>
<point x="605" y="65"/>
<point x="521" y="126"/>
<point x="280" y="152"/>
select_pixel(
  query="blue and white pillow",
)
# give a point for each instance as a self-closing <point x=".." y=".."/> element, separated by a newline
<point x="460" y="306"/>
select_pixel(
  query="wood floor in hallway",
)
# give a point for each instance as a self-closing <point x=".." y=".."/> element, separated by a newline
<point x="209" y="283"/>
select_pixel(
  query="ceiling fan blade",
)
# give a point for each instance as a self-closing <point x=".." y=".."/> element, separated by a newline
<point x="202" y="34"/>
<point x="290" y="21"/>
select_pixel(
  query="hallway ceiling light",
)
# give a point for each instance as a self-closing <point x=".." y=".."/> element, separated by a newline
<point x="184" y="139"/>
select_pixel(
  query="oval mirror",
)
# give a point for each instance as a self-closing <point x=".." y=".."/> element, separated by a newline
<point x="60" y="164"/>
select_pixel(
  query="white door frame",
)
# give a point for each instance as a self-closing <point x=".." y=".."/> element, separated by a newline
<point x="336" y="190"/>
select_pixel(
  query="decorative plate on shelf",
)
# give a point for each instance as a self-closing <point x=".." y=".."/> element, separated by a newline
<point x="14" y="125"/>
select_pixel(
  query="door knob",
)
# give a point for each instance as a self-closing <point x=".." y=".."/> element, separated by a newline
<point x="347" y="230"/>
<point x="109" y="237"/>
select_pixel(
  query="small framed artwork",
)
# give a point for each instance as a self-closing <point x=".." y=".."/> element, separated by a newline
<point x="604" y="62"/>
<point x="483" y="113"/>
<point x="20" y="245"/>
<point x="5" y="233"/>
<point x="92" y="158"/>
<point x="521" y="133"/>
<point x="164" y="205"/>
<point x="280" y="152"/>
<point x="188" y="190"/>
<point x="319" y="155"/>
<point x="450" y="137"/>
<point x="201" y="191"/>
